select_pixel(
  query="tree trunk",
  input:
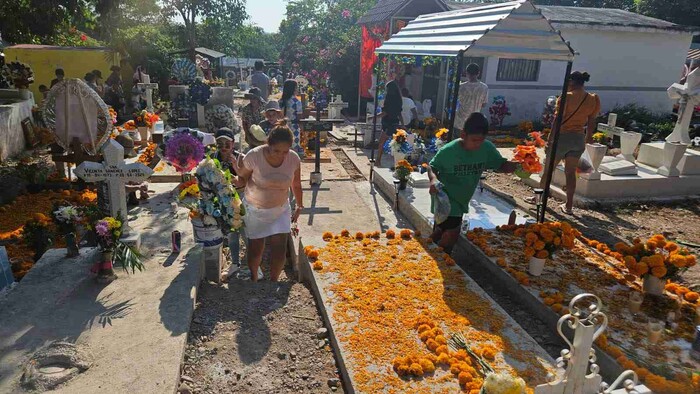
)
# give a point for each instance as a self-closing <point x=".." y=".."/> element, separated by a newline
<point x="193" y="36"/>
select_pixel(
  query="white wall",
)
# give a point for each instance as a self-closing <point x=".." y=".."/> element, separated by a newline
<point x="625" y="67"/>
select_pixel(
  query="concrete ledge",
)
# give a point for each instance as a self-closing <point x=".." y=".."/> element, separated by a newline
<point x="417" y="219"/>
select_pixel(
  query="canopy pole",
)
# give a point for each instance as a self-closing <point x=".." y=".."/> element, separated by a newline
<point x="455" y="93"/>
<point x="374" y="116"/>
<point x="555" y="141"/>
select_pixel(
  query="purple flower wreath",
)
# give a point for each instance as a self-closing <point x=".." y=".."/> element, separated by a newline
<point x="183" y="150"/>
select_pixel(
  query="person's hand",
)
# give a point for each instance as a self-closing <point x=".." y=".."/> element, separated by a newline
<point x="238" y="182"/>
<point x="297" y="213"/>
<point x="236" y="162"/>
<point x="433" y="190"/>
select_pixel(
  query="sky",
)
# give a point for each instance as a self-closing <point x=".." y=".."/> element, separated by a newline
<point x="267" y="13"/>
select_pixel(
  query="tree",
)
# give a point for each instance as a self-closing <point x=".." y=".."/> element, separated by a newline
<point x="38" y="21"/>
<point x="682" y="12"/>
<point x="216" y="12"/>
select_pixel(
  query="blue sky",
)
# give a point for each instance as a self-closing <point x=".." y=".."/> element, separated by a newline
<point x="267" y="13"/>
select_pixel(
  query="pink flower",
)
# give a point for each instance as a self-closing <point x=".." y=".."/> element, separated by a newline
<point x="102" y="228"/>
<point x="83" y="37"/>
<point x="346" y="14"/>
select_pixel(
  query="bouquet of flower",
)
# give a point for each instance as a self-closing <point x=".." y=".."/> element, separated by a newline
<point x="219" y="202"/>
<point x="526" y="155"/>
<point x="403" y="170"/>
<point x="441" y="138"/>
<point x="130" y="125"/>
<point x="498" y="110"/>
<point x="542" y="240"/>
<point x="399" y="143"/>
<point x="19" y="74"/>
<point x="108" y="231"/>
<point x="113" y="115"/>
<point x="153" y="118"/>
<point x="601" y="138"/>
<point x="657" y="257"/>
<point x="200" y="92"/>
<point x="183" y="149"/>
<point x="66" y="218"/>
<point x="142" y="119"/>
<point x="535" y="139"/>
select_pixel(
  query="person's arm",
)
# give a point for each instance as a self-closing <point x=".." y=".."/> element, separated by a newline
<point x="485" y="99"/>
<point x="298" y="197"/>
<point x="243" y="173"/>
<point x="508" y="167"/>
<point x="414" y="111"/>
<point x="497" y="162"/>
<point x="592" y="124"/>
<point x="433" y="179"/>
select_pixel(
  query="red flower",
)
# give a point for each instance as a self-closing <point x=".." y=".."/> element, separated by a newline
<point x="83" y="37"/>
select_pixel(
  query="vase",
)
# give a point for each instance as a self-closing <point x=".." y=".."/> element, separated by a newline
<point x="72" y="249"/>
<point x="536" y="266"/>
<point x="402" y="184"/>
<point x="522" y="174"/>
<point x="206" y="235"/>
<point x="628" y="143"/>
<point x="596" y="152"/>
<point x="24" y="94"/>
<point x="653" y="285"/>
<point x="143" y="134"/>
<point x="105" y="272"/>
<point x="673" y="153"/>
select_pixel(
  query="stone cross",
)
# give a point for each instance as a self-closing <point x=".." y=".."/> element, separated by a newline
<point x="148" y="89"/>
<point x="689" y="95"/>
<point x="610" y="128"/>
<point x="115" y="173"/>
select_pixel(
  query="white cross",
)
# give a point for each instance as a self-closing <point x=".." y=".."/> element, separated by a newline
<point x="148" y="89"/>
<point x="609" y="129"/>
<point x="689" y="95"/>
<point x="116" y="173"/>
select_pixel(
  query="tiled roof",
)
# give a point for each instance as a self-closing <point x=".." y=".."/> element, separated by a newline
<point x="382" y="11"/>
<point x="606" y="17"/>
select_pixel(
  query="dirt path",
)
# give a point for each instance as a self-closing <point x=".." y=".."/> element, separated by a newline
<point x="258" y="338"/>
<point x="610" y="224"/>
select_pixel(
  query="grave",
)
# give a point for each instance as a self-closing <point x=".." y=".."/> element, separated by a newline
<point x="58" y="300"/>
<point x="13" y="111"/>
<point x="335" y="107"/>
<point x="147" y="89"/>
<point x="116" y="173"/>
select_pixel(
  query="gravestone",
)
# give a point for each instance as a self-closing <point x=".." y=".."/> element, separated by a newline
<point x="115" y="173"/>
<point x="147" y="88"/>
<point x="610" y="128"/>
<point x="6" y="277"/>
<point x="689" y="96"/>
<point x="615" y="166"/>
<point x="335" y="107"/>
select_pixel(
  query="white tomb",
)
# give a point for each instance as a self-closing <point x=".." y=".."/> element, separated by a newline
<point x="335" y="107"/>
<point x="116" y="173"/>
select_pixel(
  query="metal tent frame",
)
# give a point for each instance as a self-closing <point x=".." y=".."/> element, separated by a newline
<point x="514" y="30"/>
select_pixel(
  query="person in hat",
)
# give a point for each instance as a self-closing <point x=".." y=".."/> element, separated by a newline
<point x="273" y="114"/>
<point x="60" y="74"/>
<point x="98" y="82"/>
<point x="250" y="113"/>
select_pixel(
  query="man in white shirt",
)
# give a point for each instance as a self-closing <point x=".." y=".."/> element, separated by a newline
<point x="408" y="108"/>
<point x="473" y="96"/>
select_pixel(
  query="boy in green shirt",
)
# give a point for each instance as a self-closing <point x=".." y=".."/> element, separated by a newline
<point x="458" y="166"/>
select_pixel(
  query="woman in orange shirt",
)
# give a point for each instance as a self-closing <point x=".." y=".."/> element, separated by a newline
<point x="577" y="128"/>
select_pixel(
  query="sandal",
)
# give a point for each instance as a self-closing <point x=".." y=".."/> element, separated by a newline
<point x="563" y="210"/>
<point x="530" y="200"/>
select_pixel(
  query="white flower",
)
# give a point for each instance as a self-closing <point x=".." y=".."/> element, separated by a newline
<point x="500" y="383"/>
<point x="209" y="220"/>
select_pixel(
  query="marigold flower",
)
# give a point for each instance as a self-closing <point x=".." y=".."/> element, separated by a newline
<point x="464" y="378"/>
<point x="432" y="345"/>
<point x="427" y="365"/>
<point x="345" y="233"/>
<point x="327" y="236"/>
<point x="681" y="290"/>
<point x="542" y="254"/>
<point x="691" y="296"/>
<point x="441" y="340"/>
<point x="415" y="369"/>
<point x="441" y="349"/>
<point x="659" y="272"/>
<point x="390" y="234"/>
<point x="318" y="265"/>
<point x="313" y="254"/>
<point x="690" y="260"/>
<point x="443" y="359"/>
<point x="529" y="252"/>
<point x="359" y="236"/>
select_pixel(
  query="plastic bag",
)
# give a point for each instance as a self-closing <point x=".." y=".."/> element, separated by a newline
<point x="442" y="204"/>
<point x="584" y="164"/>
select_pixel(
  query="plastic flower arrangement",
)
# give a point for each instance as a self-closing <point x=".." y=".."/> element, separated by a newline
<point x="143" y="119"/>
<point x="399" y="143"/>
<point x="108" y="230"/>
<point x="183" y="149"/>
<point x="67" y="218"/>
<point x="200" y="92"/>
<point x="189" y="188"/>
<point x="526" y="155"/>
<point x="657" y="257"/>
<point x="535" y="139"/>
<point x="219" y="203"/>
<point x="18" y="74"/>
<point x="601" y="138"/>
<point x="498" y="111"/>
<point x="403" y="170"/>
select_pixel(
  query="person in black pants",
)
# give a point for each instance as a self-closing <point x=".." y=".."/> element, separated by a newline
<point x="391" y="116"/>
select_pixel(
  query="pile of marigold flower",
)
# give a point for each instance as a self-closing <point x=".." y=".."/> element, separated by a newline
<point x="543" y="239"/>
<point x="394" y="298"/>
<point x="38" y="207"/>
<point x="146" y="157"/>
<point x="596" y="268"/>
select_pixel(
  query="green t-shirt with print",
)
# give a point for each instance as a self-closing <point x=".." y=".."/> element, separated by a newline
<point x="459" y="170"/>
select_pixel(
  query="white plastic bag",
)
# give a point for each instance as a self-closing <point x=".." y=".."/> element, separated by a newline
<point x="584" y="163"/>
<point x="442" y="204"/>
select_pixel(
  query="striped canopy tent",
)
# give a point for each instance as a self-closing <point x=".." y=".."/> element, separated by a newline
<point x="515" y="30"/>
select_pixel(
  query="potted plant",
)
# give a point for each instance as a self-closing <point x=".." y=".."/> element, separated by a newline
<point x="20" y="75"/>
<point x="108" y="230"/>
<point x="399" y="146"/>
<point x="402" y="172"/>
<point x="67" y="218"/>
<point x="142" y="121"/>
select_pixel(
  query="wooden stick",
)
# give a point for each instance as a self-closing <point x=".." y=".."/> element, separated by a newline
<point x="304" y="317"/>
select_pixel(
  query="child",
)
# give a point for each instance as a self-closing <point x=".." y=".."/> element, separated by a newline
<point x="458" y="166"/>
<point x="273" y="114"/>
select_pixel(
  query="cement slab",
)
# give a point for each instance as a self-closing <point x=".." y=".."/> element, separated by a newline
<point x="136" y="327"/>
<point x="652" y="155"/>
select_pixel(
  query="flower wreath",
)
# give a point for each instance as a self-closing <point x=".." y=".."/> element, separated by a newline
<point x="182" y="148"/>
<point x="200" y="92"/>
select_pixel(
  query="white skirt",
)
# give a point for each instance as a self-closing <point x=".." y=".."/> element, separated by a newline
<point x="264" y="222"/>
